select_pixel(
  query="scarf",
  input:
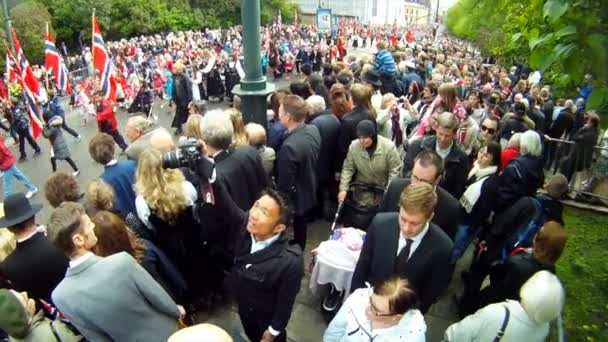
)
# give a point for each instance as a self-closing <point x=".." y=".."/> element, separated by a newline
<point x="396" y="127"/>
<point x="473" y="192"/>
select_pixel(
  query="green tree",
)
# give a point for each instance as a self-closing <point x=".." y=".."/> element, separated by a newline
<point x="29" y="21"/>
<point x="564" y="38"/>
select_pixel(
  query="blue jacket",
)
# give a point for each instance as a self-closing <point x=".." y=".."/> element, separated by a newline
<point x="385" y="64"/>
<point x="121" y="177"/>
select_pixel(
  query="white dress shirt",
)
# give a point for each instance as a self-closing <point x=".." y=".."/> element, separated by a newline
<point x="257" y="246"/>
<point x="416" y="241"/>
<point x="443" y="153"/>
<point x="80" y="259"/>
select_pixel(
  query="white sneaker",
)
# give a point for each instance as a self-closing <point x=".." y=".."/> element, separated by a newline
<point x="76" y="173"/>
<point x="31" y="194"/>
<point x="79" y="138"/>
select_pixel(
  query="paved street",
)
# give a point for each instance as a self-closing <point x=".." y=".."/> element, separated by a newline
<point x="306" y="325"/>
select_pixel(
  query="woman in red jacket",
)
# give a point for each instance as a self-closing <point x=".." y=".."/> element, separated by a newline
<point x="511" y="152"/>
<point x="8" y="166"/>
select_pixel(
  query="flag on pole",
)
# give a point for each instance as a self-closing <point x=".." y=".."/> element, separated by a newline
<point x="30" y="98"/>
<point x="53" y="61"/>
<point x="103" y="64"/>
<point x="25" y="70"/>
<point x="10" y="68"/>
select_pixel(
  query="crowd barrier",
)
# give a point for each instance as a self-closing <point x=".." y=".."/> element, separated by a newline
<point x="79" y="75"/>
<point x="587" y="172"/>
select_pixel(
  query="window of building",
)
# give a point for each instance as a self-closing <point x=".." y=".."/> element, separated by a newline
<point x="375" y="8"/>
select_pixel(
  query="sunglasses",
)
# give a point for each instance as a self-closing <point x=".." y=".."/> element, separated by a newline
<point x="488" y="129"/>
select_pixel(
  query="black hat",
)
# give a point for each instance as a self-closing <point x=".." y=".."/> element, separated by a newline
<point x="17" y="209"/>
<point x="372" y="77"/>
<point x="366" y="128"/>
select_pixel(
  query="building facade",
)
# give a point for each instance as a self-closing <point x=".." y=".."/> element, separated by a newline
<point x="417" y="13"/>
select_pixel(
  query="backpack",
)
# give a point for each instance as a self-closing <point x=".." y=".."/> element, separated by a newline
<point x="524" y="235"/>
<point x="21" y="122"/>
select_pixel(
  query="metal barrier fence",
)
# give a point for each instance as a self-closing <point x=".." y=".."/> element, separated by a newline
<point x="585" y="167"/>
<point x="79" y="75"/>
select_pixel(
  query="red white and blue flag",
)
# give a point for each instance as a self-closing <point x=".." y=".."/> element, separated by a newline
<point x="10" y="68"/>
<point x="25" y="70"/>
<point x="53" y="61"/>
<point x="30" y="97"/>
<point x="103" y="64"/>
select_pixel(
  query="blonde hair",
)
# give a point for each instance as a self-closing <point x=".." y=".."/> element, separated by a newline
<point x="419" y="198"/>
<point x="8" y="243"/>
<point x="362" y="96"/>
<point x="239" y="137"/>
<point x="161" y="188"/>
<point x="194" y="127"/>
<point x="100" y="196"/>
<point x="387" y="99"/>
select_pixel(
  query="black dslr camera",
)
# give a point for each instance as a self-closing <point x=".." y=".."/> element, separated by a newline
<point x="185" y="155"/>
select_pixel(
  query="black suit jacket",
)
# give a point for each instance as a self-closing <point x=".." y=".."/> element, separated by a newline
<point x="297" y="167"/>
<point x="348" y="133"/>
<point x="455" y="165"/>
<point x="428" y="269"/>
<point x="328" y="125"/>
<point x="447" y="213"/>
<point x="242" y="174"/>
<point x="35" y="266"/>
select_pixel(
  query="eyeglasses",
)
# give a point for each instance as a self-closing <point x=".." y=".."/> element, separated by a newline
<point x="488" y="129"/>
<point x="420" y="180"/>
<point x="375" y="310"/>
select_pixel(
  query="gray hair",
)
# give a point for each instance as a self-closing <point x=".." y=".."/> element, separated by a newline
<point x="140" y="124"/>
<point x="515" y="140"/>
<point x="317" y="103"/>
<point x="542" y="297"/>
<point x="217" y="129"/>
<point x="529" y="144"/>
<point x="447" y="120"/>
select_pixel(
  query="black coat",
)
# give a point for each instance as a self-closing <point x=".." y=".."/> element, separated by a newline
<point x="35" y="266"/>
<point x="428" y="269"/>
<point x="329" y="127"/>
<point x="456" y="164"/>
<point x="522" y="177"/>
<point x="512" y="126"/>
<point x="242" y="173"/>
<point x="266" y="282"/>
<point x="348" y="133"/>
<point x="562" y="124"/>
<point x="182" y="90"/>
<point x="447" y="212"/>
<point x="507" y="278"/>
<point x="297" y="167"/>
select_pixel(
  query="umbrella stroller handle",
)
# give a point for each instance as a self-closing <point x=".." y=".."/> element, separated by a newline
<point x="336" y="217"/>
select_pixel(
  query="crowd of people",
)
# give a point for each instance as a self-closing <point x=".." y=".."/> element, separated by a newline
<point x="458" y="149"/>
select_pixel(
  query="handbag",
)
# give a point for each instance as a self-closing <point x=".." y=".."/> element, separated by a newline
<point x="503" y="327"/>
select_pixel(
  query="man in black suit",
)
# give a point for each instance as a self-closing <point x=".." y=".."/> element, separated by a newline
<point x="240" y="168"/>
<point x="348" y="129"/>
<point x="428" y="168"/>
<point x="456" y="162"/>
<point x="297" y="162"/>
<point x="408" y="245"/>
<point x="36" y="266"/>
<point x="267" y="271"/>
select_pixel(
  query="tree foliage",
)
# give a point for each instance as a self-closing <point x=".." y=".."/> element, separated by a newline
<point x="566" y="39"/>
<point x="29" y="20"/>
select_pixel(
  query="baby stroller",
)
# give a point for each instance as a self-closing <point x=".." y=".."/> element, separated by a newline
<point x="353" y="213"/>
<point x="335" y="259"/>
<point x="215" y="85"/>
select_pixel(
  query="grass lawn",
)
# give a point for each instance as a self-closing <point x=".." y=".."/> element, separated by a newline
<point x="583" y="268"/>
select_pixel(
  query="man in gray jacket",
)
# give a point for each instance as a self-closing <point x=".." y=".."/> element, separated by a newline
<point x="107" y="299"/>
<point x="139" y="133"/>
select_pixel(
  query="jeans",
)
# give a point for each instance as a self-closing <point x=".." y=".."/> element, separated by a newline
<point x="69" y="130"/>
<point x="13" y="171"/>
<point x="464" y="236"/>
<point x="120" y="141"/>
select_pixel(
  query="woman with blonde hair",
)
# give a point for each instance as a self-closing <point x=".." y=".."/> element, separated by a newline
<point x="193" y="129"/>
<point x="239" y="137"/>
<point x="114" y="236"/>
<point x="165" y="203"/>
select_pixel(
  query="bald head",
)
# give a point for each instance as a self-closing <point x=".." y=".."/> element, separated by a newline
<point x="201" y="332"/>
<point x="138" y="126"/>
<point x="256" y="134"/>
<point x="162" y="141"/>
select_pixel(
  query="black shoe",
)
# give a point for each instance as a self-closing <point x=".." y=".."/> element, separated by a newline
<point x="37" y="153"/>
<point x="22" y="159"/>
<point x="333" y="300"/>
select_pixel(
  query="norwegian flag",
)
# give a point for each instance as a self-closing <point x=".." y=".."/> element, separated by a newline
<point x="10" y="69"/>
<point x="53" y="61"/>
<point x="30" y="98"/>
<point x="25" y="70"/>
<point x="103" y="64"/>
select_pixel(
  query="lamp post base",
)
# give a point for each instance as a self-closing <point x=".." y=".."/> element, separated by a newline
<point x="253" y="103"/>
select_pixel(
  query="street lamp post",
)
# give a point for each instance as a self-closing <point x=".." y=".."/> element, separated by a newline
<point x="9" y="32"/>
<point x="253" y="89"/>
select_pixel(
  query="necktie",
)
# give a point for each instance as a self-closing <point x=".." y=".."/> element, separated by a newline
<point x="401" y="262"/>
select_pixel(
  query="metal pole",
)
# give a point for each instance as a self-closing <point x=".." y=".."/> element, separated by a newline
<point x="7" y="17"/>
<point x="437" y="12"/>
<point x="253" y="88"/>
